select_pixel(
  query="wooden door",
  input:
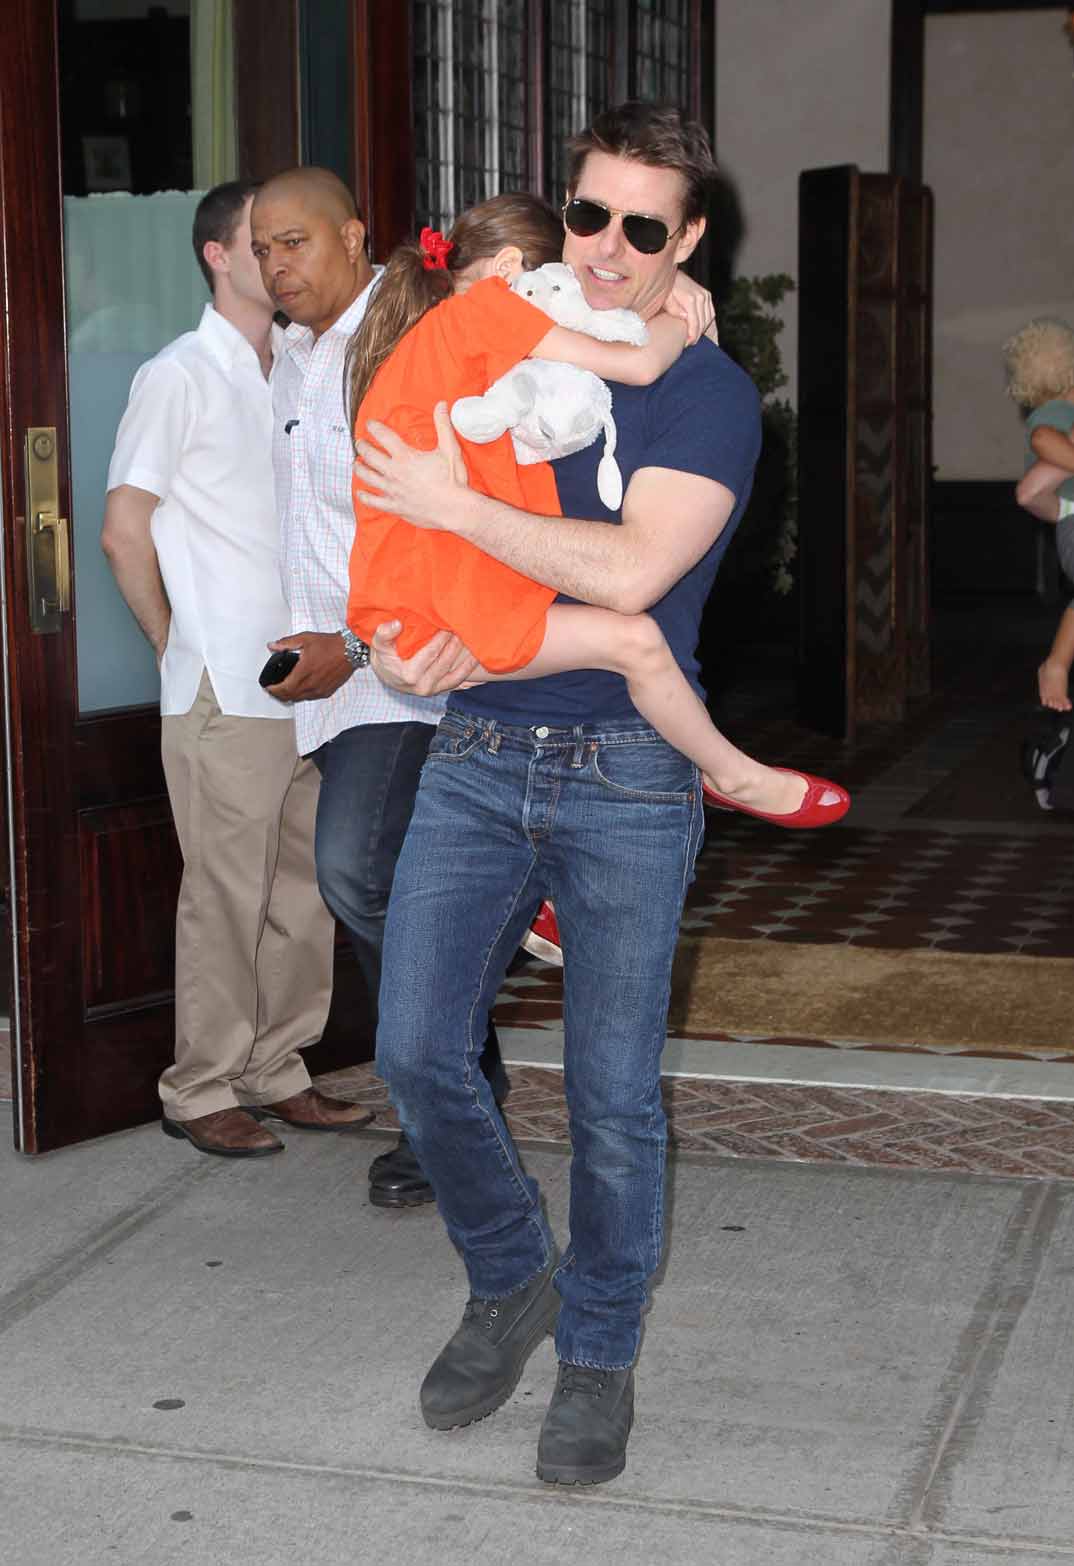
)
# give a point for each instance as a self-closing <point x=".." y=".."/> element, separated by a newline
<point x="94" y="861"/>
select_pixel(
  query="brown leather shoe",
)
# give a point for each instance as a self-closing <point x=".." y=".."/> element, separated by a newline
<point x="314" y="1111"/>
<point x="231" y="1133"/>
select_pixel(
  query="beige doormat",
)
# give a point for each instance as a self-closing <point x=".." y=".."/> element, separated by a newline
<point x="871" y="995"/>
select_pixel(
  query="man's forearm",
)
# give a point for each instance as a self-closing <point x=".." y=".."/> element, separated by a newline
<point x="669" y="519"/>
<point x="138" y="579"/>
<point x="127" y="540"/>
<point x="596" y="562"/>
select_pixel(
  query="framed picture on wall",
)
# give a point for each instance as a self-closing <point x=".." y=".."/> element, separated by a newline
<point x="106" y="161"/>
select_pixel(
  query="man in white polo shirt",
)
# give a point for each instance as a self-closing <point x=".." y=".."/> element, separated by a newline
<point x="191" y="533"/>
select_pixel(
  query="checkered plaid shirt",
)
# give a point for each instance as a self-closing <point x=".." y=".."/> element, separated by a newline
<point x="312" y="456"/>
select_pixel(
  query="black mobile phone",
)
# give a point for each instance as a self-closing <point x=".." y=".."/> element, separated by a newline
<point x="278" y="667"/>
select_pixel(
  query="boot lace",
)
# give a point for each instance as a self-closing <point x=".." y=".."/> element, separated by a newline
<point x="582" y="1379"/>
<point x="483" y="1313"/>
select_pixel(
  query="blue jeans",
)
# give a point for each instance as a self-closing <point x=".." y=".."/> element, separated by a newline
<point x="607" y="823"/>
<point x="369" y="779"/>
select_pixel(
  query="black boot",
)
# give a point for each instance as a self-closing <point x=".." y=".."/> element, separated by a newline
<point x="585" y="1431"/>
<point x="479" y="1368"/>
<point x="396" y="1178"/>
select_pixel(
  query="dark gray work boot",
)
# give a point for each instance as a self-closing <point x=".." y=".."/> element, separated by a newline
<point x="479" y="1368"/>
<point x="585" y="1431"/>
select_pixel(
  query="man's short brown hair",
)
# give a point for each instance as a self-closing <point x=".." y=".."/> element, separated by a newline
<point x="657" y="134"/>
<point x="218" y="215"/>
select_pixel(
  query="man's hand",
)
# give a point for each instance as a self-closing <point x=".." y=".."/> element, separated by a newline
<point x="321" y="669"/>
<point x="691" y="303"/>
<point x="427" y="488"/>
<point x="443" y="664"/>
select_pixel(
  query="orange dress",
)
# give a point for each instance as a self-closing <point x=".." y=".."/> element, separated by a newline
<point x="435" y="581"/>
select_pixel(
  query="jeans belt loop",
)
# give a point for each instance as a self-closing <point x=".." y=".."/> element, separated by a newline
<point x="494" y="742"/>
<point x="578" y="748"/>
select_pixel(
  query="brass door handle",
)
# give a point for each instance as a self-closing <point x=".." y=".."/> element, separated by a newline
<point x="48" y="549"/>
<point x="46" y="522"/>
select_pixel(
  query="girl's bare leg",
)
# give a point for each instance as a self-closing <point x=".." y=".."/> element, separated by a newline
<point x="578" y="636"/>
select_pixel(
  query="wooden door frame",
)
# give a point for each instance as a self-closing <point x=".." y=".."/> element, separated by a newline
<point x="266" y="41"/>
<point x="39" y="669"/>
<point x="383" y="152"/>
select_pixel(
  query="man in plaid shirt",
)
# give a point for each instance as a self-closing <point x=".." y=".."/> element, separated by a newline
<point x="368" y="742"/>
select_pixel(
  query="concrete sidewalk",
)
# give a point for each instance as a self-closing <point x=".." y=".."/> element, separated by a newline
<point x="212" y="1363"/>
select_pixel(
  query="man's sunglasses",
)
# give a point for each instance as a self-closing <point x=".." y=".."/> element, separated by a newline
<point x="649" y="235"/>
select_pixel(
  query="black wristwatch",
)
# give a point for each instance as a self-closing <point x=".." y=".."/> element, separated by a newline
<point x="356" y="650"/>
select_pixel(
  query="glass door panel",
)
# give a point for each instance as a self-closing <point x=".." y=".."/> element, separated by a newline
<point x="129" y="74"/>
<point x="132" y="285"/>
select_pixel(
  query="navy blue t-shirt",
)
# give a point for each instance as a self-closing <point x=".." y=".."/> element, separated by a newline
<point x="702" y="416"/>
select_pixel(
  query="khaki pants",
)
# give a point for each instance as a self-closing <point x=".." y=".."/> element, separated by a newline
<point x="253" y="940"/>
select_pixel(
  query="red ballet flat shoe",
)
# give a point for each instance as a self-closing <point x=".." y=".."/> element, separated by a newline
<point x="542" y="938"/>
<point x="824" y="803"/>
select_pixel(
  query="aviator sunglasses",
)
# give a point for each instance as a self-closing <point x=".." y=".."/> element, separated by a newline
<point x="648" y="235"/>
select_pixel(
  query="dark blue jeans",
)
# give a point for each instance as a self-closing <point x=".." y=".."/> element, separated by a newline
<point x="606" y="822"/>
<point x="369" y="780"/>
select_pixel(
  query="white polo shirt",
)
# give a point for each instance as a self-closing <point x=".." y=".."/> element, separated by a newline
<point x="197" y="432"/>
<point x="313" y="455"/>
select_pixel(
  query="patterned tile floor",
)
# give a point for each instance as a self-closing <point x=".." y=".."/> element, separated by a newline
<point x="971" y="892"/>
<point x="904" y="871"/>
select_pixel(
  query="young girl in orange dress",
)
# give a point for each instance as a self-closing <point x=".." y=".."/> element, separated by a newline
<point x="444" y="324"/>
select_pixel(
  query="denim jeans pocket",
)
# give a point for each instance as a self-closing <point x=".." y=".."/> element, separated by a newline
<point x="646" y="769"/>
<point x="454" y="740"/>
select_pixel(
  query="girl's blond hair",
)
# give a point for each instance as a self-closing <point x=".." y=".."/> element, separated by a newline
<point x="1039" y="361"/>
<point x="407" y="290"/>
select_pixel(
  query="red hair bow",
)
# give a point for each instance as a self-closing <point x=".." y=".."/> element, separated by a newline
<point x="435" y="249"/>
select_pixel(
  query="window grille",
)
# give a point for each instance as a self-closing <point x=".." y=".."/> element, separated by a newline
<point x="470" y="103"/>
<point x="477" y="131"/>
<point x="661" y="55"/>
<point x="579" y="43"/>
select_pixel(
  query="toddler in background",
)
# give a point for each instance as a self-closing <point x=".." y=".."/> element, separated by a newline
<point x="1039" y="361"/>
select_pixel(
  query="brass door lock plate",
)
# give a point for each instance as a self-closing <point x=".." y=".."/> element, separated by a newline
<point x="48" y="550"/>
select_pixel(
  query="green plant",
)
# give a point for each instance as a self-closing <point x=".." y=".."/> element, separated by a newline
<point x="767" y="541"/>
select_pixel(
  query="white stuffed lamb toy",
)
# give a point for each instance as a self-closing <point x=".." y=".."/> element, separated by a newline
<point x="554" y="409"/>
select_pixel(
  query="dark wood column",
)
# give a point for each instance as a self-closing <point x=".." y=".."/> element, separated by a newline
<point x="384" y="121"/>
<point x="266" y="86"/>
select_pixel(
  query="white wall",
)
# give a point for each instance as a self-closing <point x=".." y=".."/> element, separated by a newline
<point x="999" y="155"/>
<point x="798" y="86"/>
